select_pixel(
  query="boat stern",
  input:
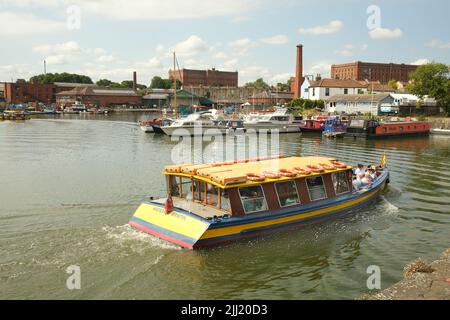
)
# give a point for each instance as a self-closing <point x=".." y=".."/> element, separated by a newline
<point x="177" y="227"/>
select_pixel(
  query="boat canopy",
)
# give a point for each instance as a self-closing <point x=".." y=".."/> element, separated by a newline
<point x="236" y="173"/>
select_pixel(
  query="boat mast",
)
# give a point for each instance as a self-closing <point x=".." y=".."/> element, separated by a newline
<point x="175" y="87"/>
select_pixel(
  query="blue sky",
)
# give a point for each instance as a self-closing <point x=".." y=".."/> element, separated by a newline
<point x="112" y="38"/>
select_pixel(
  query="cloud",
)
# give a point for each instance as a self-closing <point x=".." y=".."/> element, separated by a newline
<point x="421" y="62"/>
<point x="278" y="39"/>
<point x="323" y="68"/>
<point x="60" y="48"/>
<point x="22" y="24"/>
<point x="382" y="33"/>
<point x="106" y="58"/>
<point x="59" y="59"/>
<point x="240" y="19"/>
<point x="242" y="46"/>
<point x="281" y="77"/>
<point x="436" y="43"/>
<point x="330" y="28"/>
<point x="220" y="55"/>
<point x="192" y="46"/>
<point x="344" y="53"/>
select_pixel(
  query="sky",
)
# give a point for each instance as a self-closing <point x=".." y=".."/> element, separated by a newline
<point x="112" y="38"/>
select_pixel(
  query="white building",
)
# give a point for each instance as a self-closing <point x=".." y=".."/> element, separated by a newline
<point x="326" y="88"/>
<point x="305" y="89"/>
<point x="374" y="104"/>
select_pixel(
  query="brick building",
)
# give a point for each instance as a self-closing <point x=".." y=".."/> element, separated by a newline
<point x="96" y="97"/>
<point x="213" y="77"/>
<point x="382" y="72"/>
<point x="25" y="92"/>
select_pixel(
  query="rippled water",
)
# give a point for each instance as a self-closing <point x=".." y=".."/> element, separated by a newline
<point x="68" y="188"/>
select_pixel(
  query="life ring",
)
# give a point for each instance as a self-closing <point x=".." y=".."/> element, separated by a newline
<point x="328" y="166"/>
<point x="315" y="168"/>
<point x="287" y="173"/>
<point x="272" y="174"/>
<point x="301" y="171"/>
<point x="339" y="165"/>
<point x="255" y="177"/>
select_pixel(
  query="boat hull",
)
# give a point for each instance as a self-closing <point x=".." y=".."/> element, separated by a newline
<point x="147" y="128"/>
<point x="194" y="232"/>
<point x="194" y="131"/>
<point x="268" y="128"/>
<point x="443" y="132"/>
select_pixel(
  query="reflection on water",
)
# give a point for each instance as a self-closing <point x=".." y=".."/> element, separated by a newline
<point x="68" y="188"/>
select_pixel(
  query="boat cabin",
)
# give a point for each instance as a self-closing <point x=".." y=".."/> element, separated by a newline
<point x="256" y="186"/>
<point x="375" y="129"/>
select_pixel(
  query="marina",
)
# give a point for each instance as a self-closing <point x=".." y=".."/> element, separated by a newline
<point x="85" y="218"/>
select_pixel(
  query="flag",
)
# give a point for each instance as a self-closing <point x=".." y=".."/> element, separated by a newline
<point x="383" y="161"/>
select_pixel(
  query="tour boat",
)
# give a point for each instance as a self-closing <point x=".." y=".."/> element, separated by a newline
<point x="281" y="119"/>
<point x="373" y="129"/>
<point x="216" y="203"/>
<point x="15" y="115"/>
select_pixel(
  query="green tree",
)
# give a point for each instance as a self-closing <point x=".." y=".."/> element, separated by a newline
<point x="157" y="83"/>
<point x="51" y="78"/>
<point x="104" y="83"/>
<point x="258" y="84"/>
<point x="432" y="80"/>
<point x="393" y="84"/>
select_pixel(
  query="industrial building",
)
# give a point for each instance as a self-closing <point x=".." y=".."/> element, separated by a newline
<point x="382" y="72"/>
<point x="208" y="78"/>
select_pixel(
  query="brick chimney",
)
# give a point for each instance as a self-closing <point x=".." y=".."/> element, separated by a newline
<point x="299" y="79"/>
<point x="134" y="81"/>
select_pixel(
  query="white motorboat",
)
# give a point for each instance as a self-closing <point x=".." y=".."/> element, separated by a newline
<point x="281" y="119"/>
<point x="442" y="132"/>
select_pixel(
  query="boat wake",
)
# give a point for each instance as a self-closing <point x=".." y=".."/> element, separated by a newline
<point x="388" y="207"/>
<point x="127" y="235"/>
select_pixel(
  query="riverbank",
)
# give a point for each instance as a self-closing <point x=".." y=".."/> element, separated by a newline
<point x="439" y="123"/>
<point x="422" y="281"/>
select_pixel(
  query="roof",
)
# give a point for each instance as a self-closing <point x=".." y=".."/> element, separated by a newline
<point x="359" y="97"/>
<point x="183" y="94"/>
<point x="72" y="85"/>
<point x="234" y="174"/>
<point x="337" y="83"/>
<point x="155" y="96"/>
<point x="91" y="91"/>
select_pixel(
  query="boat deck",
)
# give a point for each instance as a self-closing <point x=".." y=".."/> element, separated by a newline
<point x="197" y="208"/>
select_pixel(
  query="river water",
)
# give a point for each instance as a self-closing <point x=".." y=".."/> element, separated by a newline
<point x="69" y="185"/>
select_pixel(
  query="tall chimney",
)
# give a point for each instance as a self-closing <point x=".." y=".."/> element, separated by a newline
<point x="299" y="72"/>
<point x="134" y="81"/>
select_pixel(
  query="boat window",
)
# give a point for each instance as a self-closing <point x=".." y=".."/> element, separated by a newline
<point x="174" y="186"/>
<point x="340" y="182"/>
<point x="212" y="195"/>
<point x="199" y="191"/>
<point x="224" y="200"/>
<point x="287" y="193"/>
<point x="401" y="129"/>
<point x="186" y="188"/>
<point x="253" y="199"/>
<point x="316" y="188"/>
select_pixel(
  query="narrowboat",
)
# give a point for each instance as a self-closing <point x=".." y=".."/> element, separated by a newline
<point x="212" y="204"/>
<point x="373" y="129"/>
<point x="314" y="125"/>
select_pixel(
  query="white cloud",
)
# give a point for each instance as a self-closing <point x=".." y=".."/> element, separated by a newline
<point x="323" y="68"/>
<point x="330" y="28"/>
<point x="99" y="51"/>
<point x="106" y="58"/>
<point x="344" y="53"/>
<point x="436" y="43"/>
<point x="60" y="48"/>
<point x="58" y="59"/>
<point x="220" y="55"/>
<point x="160" y="48"/>
<point x="278" y="39"/>
<point x="21" y="24"/>
<point x="242" y="46"/>
<point x="382" y="33"/>
<point x="192" y="46"/>
<point x="281" y="77"/>
<point x="421" y="62"/>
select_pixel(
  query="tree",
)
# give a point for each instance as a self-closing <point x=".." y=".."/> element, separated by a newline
<point x="157" y="83"/>
<point x="51" y="78"/>
<point x="258" y="84"/>
<point x="104" y="83"/>
<point x="432" y="80"/>
<point x="393" y="84"/>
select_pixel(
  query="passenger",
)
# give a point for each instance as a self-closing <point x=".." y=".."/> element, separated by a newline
<point x="373" y="175"/>
<point x="356" y="182"/>
<point x="378" y="170"/>
<point x="366" y="180"/>
<point x="359" y="170"/>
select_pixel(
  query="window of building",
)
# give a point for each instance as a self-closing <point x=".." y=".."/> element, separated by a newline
<point x="340" y="182"/>
<point x="314" y="91"/>
<point x="345" y="91"/>
<point x="316" y="188"/>
<point x="287" y="193"/>
<point x="253" y="199"/>
<point x="327" y="92"/>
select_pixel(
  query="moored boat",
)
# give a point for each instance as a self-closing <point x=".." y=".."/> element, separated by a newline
<point x="15" y="115"/>
<point x="373" y="129"/>
<point x="442" y="132"/>
<point x="281" y="119"/>
<point x="211" y="204"/>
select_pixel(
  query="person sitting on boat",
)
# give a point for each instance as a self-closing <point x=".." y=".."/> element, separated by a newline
<point x="366" y="180"/>
<point x="360" y="170"/>
<point x="356" y="182"/>
<point x="373" y="175"/>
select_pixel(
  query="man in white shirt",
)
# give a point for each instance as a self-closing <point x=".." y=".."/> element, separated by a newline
<point x="360" y="170"/>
